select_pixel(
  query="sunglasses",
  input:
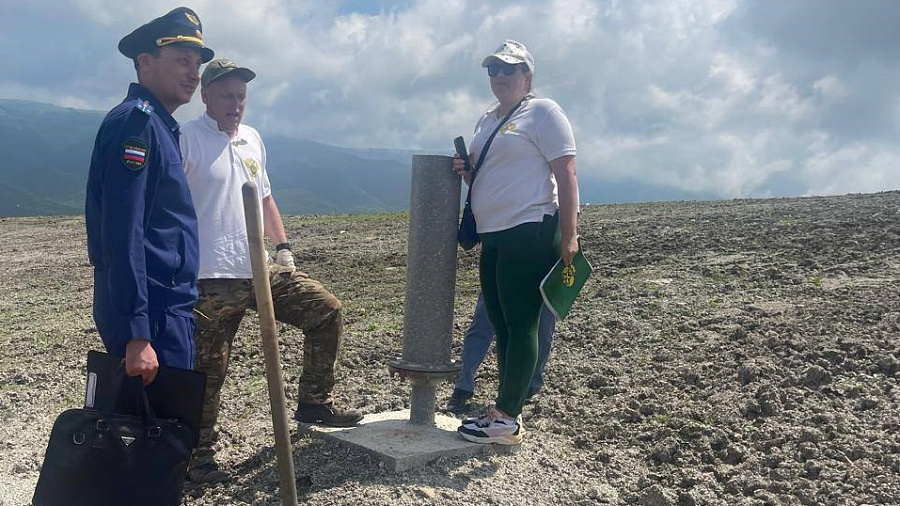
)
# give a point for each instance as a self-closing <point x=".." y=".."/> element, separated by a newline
<point x="509" y="69"/>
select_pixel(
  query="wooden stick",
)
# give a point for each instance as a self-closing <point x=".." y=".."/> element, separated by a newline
<point x="266" y="311"/>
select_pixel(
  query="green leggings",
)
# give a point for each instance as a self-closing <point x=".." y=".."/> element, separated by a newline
<point x="513" y="263"/>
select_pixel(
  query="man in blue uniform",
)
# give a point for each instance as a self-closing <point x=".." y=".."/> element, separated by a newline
<point x="141" y="225"/>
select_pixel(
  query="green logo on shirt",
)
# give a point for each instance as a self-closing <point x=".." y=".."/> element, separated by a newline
<point x="252" y="166"/>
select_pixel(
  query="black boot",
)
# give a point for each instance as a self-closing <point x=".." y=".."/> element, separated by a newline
<point x="207" y="473"/>
<point x="459" y="401"/>
<point x="327" y="414"/>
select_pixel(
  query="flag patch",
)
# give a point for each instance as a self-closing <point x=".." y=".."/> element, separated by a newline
<point x="134" y="154"/>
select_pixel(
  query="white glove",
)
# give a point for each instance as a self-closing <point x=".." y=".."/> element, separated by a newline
<point x="284" y="259"/>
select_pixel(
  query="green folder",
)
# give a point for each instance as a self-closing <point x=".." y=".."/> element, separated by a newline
<point x="562" y="284"/>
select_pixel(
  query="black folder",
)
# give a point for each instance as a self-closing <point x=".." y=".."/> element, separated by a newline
<point x="175" y="393"/>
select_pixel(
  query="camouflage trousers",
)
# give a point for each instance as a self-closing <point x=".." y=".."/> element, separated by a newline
<point x="299" y="301"/>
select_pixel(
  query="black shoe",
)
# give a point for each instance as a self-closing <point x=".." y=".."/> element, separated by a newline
<point x="207" y="474"/>
<point x="459" y="401"/>
<point x="327" y="414"/>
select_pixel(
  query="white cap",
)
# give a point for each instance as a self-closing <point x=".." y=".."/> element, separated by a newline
<point x="511" y="52"/>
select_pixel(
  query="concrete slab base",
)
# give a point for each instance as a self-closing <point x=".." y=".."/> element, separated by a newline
<point x="400" y="445"/>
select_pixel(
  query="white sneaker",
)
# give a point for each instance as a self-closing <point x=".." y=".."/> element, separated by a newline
<point x="487" y="413"/>
<point x="492" y="428"/>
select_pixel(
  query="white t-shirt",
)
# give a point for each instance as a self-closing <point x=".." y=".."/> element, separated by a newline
<point x="514" y="184"/>
<point x="217" y="167"/>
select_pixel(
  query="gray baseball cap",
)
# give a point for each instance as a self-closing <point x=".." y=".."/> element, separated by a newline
<point x="510" y="52"/>
<point x="222" y="67"/>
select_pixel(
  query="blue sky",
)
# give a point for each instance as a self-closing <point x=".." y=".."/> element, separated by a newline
<point x="736" y="98"/>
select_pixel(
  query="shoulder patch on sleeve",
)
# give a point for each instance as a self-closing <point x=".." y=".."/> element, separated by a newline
<point x="135" y="153"/>
<point x="137" y="118"/>
<point x="144" y="106"/>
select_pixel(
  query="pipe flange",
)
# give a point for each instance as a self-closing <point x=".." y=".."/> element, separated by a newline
<point x="416" y="371"/>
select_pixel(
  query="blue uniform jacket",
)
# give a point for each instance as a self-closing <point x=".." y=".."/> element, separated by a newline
<point x="141" y="224"/>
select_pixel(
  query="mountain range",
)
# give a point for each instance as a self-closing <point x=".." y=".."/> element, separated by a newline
<point x="45" y="152"/>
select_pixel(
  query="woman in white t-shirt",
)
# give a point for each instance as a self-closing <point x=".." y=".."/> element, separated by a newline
<point x="525" y="202"/>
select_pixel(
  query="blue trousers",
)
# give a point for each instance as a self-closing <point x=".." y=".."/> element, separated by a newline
<point x="478" y="340"/>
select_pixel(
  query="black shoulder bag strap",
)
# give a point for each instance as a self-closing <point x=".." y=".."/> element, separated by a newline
<point x="487" y="144"/>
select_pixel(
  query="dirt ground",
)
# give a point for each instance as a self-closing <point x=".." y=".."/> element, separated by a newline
<point x="725" y="353"/>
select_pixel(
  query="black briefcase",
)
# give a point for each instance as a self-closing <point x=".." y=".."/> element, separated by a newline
<point x="101" y="458"/>
<point x="175" y="393"/>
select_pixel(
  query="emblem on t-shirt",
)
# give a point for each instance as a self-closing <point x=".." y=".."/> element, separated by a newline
<point x="252" y="166"/>
<point x="509" y="127"/>
<point x="134" y="153"/>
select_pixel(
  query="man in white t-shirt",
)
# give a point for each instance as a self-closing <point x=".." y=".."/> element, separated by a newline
<point x="220" y="155"/>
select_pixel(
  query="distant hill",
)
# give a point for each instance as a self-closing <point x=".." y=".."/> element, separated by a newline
<point x="45" y="153"/>
<point x="312" y="178"/>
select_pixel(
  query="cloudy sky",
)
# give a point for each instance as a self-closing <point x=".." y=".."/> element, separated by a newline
<point x="735" y="98"/>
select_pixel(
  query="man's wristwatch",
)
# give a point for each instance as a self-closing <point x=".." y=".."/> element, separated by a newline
<point x="284" y="245"/>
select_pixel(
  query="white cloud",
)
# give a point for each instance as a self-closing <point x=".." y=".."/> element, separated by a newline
<point x="782" y="100"/>
<point x="734" y="74"/>
<point x="572" y="22"/>
<point x="724" y="96"/>
<point x="854" y="168"/>
<point x="831" y="87"/>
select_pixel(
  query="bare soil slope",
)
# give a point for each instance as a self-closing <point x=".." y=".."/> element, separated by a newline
<point x="725" y="353"/>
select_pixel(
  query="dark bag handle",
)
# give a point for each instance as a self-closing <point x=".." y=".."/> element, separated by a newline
<point x="107" y="406"/>
<point x="487" y="145"/>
